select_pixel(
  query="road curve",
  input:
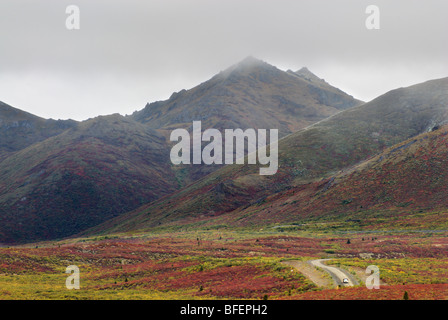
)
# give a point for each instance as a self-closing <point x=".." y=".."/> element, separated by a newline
<point x="337" y="274"/>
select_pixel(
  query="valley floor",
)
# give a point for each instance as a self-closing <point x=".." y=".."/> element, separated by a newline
<point x="214" y="264"/>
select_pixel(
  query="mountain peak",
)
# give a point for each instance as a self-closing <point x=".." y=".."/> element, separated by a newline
<point x="249" y="94"/>
<point x="247" y="65"/>
<point x="306" y="74"/>
<point x="251" y="61"/>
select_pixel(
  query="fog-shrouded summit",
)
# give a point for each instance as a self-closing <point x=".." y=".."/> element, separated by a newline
<point x="248" y="63"/>
<point x="128" y="53"/>
<point x="249" y="94"/>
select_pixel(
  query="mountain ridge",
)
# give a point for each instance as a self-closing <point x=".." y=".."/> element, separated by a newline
<point x="64" y="180"/>
<point x="404" y="187"/>
<point x="19" y="129"/>
<point x="316" y="152"/>
<point x="248" y="94"/>
<point x="221" y="95"/>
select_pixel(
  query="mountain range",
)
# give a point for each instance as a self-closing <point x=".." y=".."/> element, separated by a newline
<point x="61" y="177"/>
<point x="383" y="158"/>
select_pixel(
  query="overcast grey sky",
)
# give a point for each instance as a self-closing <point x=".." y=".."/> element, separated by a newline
<point x="129" y="52"/>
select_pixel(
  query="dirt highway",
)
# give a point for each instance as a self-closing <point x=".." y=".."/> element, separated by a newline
<point x="337" y="274"/>
<point x="311" y="270"/>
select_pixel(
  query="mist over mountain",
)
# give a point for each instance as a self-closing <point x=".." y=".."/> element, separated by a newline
<point x="58" y="178"/>
<point x="250" y="94"/>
